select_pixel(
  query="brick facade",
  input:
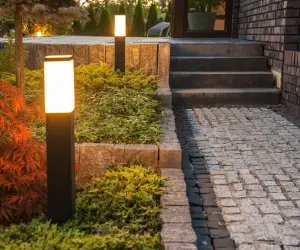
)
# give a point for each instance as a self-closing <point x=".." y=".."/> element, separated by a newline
<point x="276" y="23"/>
<point x="291" y="81"/>
<point x="235" y="18"/>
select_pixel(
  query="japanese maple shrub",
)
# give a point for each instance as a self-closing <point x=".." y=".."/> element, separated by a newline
<point x="22" y="159"/>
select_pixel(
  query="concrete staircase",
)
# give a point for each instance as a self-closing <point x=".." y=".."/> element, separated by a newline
<point x="223" y="73"/>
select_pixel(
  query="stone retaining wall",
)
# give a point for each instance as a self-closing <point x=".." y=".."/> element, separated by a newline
<point x="290" y="96"/>
<point x="152" y="56"/>
<point x="95" y="158"/>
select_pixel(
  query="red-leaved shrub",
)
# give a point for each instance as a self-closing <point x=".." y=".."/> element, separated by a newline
<point x="22" y="160"/>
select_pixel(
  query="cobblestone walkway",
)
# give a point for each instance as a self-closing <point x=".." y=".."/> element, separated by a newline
<point x="252" y="158"/>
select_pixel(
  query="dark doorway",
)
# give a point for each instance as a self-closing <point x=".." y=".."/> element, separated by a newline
<point x="201" y="18"/>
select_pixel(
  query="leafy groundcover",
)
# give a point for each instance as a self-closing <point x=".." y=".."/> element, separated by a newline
<point x="118" y="211"/>
<point x="111" y="107"/>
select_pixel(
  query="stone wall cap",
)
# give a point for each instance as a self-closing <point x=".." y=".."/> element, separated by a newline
<point x="88" y="144"/>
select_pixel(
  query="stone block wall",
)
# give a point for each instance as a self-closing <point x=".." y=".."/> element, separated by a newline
<point x="138" y="56"/>
<point x="275" y="23"/>
<point x="291" y="81"/>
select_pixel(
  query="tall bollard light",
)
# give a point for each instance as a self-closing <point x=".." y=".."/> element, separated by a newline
<point x="59" y="107"/>
<point x="120" y="36"/>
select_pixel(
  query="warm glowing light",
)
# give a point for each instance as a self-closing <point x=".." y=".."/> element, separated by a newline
<point x="39" y="34"/>
<point x="120" y="25"/>
<point x="59" y="84"/>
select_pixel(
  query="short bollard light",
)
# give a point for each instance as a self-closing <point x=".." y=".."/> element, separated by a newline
<point x="39" y="34"/>
<point x="59" y="107"/>
<point x="120" y="36"/>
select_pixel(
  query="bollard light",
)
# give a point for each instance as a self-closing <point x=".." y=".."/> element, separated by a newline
<point x="59" y="107"/>
<point x="120" y="36"/>
<point x="39" y="34"/>
<point x="120" y="25"/>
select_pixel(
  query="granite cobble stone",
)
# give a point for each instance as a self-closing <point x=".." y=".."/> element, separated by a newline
<point x="256" y="150"/>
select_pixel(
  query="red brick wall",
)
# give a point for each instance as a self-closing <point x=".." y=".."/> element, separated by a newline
<point x="275" y="23"/>
<point x="291" y="81"/>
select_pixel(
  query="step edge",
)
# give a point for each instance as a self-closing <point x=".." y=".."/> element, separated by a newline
<point x="226" y="90"/>
<point x="219" y="72"/>
<point x="218" y="57"/>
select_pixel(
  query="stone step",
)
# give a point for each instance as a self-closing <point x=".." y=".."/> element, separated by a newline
<point x="201" y="79"/>
<point x="209" y="96"/>
<point x="217" y="49"/>
<point x="204" y="63"/>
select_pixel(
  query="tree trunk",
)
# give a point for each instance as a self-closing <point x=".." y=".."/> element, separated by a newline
<point x="19" y="50"/>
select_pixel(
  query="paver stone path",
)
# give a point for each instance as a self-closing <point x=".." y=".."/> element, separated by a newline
<point x="252" y="156"/>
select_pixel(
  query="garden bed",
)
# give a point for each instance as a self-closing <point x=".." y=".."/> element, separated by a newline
<point x="115" y="115"/>
<point x="118" y="119"/>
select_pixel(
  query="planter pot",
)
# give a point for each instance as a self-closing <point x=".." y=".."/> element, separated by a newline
<point x="202" y="20"/>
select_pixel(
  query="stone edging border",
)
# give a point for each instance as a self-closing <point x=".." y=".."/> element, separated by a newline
<point x="177" y="230"/>
<point x="95" y="158"/>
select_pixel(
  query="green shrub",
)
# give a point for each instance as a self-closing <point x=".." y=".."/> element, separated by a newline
<point x="105" y="24"/>
<point x="40" y="234"/>
<point x="125" y="116"/>
<point x="129" y="200"/>
<point x="152" y="17"/>
<point x="120" y="211"/>
<point x="100" y="77"/>
<point x="138" y="25"/>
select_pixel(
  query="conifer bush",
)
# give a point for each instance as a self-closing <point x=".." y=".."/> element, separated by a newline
<point x="138" y="25"/>
<point x="152" y="17"/>
<point x="105" y="23"/>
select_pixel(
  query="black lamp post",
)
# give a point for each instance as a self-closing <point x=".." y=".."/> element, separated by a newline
<point x="120" y="36"/>
<point x="59" y="106"/>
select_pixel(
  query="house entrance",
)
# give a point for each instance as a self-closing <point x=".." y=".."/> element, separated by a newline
<point x="202" y="18"/>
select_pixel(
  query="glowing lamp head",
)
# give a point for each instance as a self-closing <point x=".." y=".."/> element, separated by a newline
<point x="39" y="34"/>
<point x="120" y="25"/>
<point x="59" y="84"/>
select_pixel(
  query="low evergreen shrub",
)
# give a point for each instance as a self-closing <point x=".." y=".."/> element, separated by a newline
<point x="120" y="211"/>
<point x="123" y="116"/>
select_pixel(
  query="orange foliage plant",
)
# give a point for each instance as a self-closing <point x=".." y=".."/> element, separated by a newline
<point x="22" y="160"/>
